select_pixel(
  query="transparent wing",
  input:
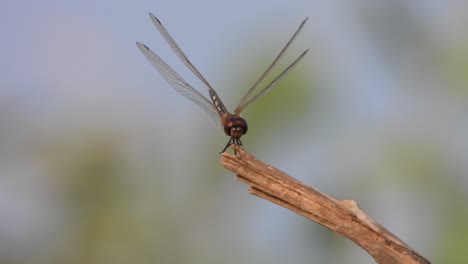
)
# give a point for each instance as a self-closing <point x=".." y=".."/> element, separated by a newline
<point x="270" y="86"/>
<point x="181" y="54"/>
<point x="245" y="100"/>
<point x="179" y="84"/>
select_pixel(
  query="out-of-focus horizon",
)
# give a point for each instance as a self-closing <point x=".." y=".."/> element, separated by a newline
<point x="102" y="162"/>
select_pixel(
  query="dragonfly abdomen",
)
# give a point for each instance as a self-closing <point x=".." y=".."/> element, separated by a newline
<point x="217" y="103"/>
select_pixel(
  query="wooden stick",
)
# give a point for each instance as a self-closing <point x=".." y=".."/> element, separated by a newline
<point x="341" y="216"/>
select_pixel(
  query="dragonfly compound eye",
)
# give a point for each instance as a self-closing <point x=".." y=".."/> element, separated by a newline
<point x="235" y="126"/>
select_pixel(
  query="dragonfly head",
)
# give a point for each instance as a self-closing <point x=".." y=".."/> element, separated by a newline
<point x="235" y="126"/>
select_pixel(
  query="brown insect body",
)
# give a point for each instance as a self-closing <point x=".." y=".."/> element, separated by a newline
<point x="234" y="126"/>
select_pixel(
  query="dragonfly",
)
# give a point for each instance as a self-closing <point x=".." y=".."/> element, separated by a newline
<point x="232" y="123"/>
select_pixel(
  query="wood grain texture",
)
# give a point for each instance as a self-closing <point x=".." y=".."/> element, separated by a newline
<point x="341" y="216"/>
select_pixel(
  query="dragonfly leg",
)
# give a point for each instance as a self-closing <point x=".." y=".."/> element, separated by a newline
<point x="238" y="142"/>
<point x="230" y="142"/>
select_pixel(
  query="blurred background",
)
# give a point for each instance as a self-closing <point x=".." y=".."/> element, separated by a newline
<point x="102" y="162"/>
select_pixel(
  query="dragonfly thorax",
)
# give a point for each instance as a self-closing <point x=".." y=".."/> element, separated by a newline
<point x="235" y="126"/>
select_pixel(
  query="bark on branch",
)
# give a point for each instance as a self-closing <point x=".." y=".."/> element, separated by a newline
<point x="341" y="216"/>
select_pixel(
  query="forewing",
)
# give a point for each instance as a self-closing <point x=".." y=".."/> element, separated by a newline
<point x="271" y="85"/>
<point x="245" y="100"/>
<point x="179" y="84"/>
<point x="178" y="50"/>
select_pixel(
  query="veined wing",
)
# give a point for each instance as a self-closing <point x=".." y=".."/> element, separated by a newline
<point x="271" y="85"/>
<point x="245" y="100"/>
<point x="179" y="84"/>
<point x="183" y="57"/>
